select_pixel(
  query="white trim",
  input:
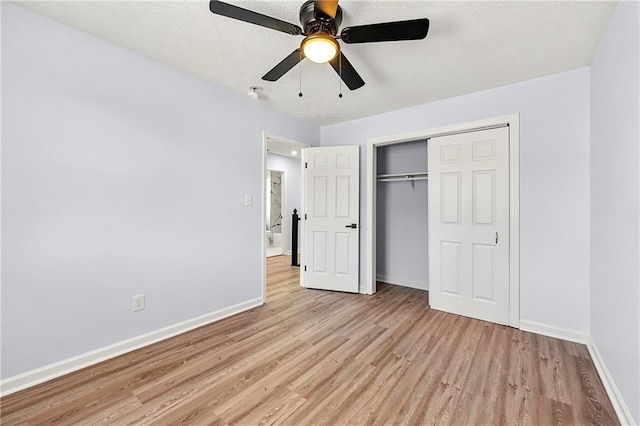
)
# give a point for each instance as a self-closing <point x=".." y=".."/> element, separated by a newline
<point x="303" y="206"/>
<point x="514" y="220"/>
<point x="553" y="331"/>
<point x="263" y="219"/>
<point x="513" y="121"/>
<point x="284" y="211"/>
<point x="620" y="407"/>
<point x="420" y="285"/>
<point x="60" y="368"/>
<point x="299" y="252"/>
<point x="372" y="161"/>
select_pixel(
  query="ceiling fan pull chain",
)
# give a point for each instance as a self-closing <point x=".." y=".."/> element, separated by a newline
<point x="340" y="67"/>
<point x="300" y="67"/>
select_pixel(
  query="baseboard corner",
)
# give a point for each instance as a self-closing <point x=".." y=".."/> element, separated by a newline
<point x="619" y="405"/>
<point x="403" y="282"/>
<point x="553" y="331"/>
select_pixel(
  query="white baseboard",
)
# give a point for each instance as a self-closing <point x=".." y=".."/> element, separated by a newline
<point x="51" y="371"/>
<point x="553" y="331"/>
<point x="404" y="283"/>
<point x="289" y="252"/>
<point x="621" y="408"/>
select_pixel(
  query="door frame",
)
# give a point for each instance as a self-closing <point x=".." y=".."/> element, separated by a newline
<point x="266" y="136"/>
<point x="513" y="122"/>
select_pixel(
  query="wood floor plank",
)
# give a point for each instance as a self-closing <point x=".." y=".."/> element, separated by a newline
<point x="283" y="376"/>
<point x="107" y="414"/>
<point x="353" y="409"/>
<point x="317" y="357"/>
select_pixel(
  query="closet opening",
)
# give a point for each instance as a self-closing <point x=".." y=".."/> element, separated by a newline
<point x="402" y="250"/>
<point x="397" y="192"/>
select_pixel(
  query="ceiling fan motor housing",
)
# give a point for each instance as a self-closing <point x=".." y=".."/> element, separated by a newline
<point x="314" y="21"/>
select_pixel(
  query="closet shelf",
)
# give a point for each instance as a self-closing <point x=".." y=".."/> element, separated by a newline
<point x="403" y="176"/>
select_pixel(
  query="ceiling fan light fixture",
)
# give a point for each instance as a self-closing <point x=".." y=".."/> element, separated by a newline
<point x="320" y="48"/>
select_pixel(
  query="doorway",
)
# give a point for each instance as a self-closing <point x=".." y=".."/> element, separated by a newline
<point x="281" y="160"/>
<point x="402" y="228"/>
<point x="276" y="229"/>
<point x="510" y="122"/>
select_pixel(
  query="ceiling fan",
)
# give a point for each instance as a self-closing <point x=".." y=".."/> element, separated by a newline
<point x="320" y="21"/>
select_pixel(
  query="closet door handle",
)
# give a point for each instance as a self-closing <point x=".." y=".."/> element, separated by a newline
<point x="496" y="238"/>
<point x="353" y="225"/>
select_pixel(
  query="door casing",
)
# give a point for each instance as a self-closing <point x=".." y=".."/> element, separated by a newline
<point x="513" y="122"/>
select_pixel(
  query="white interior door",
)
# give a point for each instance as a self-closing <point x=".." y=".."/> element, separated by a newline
<point x="469" y="224"/>
<point x="331" y="218"/>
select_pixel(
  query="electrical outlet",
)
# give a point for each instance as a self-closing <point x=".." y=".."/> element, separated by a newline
<point x="138" y="302"/>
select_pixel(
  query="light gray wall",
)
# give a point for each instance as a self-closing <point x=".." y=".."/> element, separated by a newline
<point x="291" y="168"/>
<point x="402" y="250"/>
<point x="120" y="176"/>
<point x="615" y="201"/>
<point x="554" y="187"/>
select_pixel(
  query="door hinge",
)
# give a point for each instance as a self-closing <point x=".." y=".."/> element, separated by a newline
<point x="305" y="216"/>
<point x="305" y="164"/>
<point x="305" y="268"/>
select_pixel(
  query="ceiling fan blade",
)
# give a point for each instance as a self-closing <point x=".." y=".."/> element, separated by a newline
<point x="415" y="29"/>
<point x="328" y="7"/>
<point x="349" y="74"/>
<point x="284" y="66"/>
<point x="235" y="12"/>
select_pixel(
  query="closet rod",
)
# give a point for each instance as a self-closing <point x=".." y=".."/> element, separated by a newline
<point x="403" y="176"/>
<point x="403" y="179"/>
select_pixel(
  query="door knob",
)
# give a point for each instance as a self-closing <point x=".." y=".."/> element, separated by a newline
<point x="353" y="225"/>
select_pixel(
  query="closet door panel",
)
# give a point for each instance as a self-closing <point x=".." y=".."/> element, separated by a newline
<point x="451" y="205"/>
<point x="469" y="210"/>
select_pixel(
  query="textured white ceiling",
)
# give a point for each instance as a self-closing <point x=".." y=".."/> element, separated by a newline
<point x="471" y="46"/>
<point x="279" y="147"/>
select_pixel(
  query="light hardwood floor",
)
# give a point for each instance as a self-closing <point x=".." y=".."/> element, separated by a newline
<point x="316" y="357"/>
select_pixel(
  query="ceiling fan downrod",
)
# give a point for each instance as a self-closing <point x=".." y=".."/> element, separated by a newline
<point x="300" y="68"/>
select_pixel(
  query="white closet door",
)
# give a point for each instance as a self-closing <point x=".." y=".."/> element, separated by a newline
<point x="469" y="224"/>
